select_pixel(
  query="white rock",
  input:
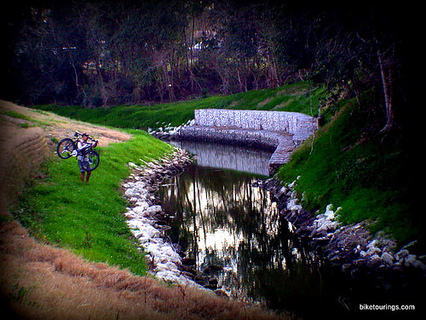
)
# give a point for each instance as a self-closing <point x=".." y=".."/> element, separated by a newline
<point x="129" y="192"/>
<point x="373" y="243"/>
<point x="402" y="254"/>
<point x="329" y="213"/>
<point x="293" y="206"/>
<point x="143" y="239"/>
<point x="173" y="277"/>
<point x="168" y="250"/>
<point x="357" y="249"/>
<point x="170" y="266"/>
<point x="147" y="230"/>
<point x="291" y="185"/>
<point x="375" y="259"/>
<point x="154" y="209"/>
<point x="373" y="251"/>
<point x="410" y="260"/>
<point x="140" y="208"/>
<point x="129" y="214"/>
<point x="387" y="258"/>
<point x="420" y="265"/>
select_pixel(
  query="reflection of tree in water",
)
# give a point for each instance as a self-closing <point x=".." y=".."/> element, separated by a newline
<point x="217" y="199"/>
<point x="204" y="201"/>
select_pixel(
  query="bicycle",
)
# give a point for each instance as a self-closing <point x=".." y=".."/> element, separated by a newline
<point x="68" y="147"/>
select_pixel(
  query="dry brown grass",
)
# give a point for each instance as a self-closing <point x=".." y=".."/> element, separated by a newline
<point x="61" y="127"/>
<point x="21" y="151"/>
<point x="44" y="282"/>
<point x="40" y="281"/>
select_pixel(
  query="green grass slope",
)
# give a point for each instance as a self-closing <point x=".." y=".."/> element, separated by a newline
<point x="300" y="97"/>
<point x="370" y="175"/>
<point x="87" y="217"/>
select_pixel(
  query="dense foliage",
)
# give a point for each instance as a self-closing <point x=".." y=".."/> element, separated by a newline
<point x="97" y="53"/>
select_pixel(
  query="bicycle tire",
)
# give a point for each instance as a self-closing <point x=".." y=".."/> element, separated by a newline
<point x="91" y="160"/>
<point x="65" y="148"/>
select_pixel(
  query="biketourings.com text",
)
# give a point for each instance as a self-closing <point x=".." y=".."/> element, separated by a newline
<point x="386" y="307"/>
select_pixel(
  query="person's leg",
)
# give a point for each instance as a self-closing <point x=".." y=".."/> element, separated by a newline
<point x="89" y="173"/>
<point x="82" y="170"/>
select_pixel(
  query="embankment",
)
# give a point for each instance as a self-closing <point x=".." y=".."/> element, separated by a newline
<point x="21" y="152"/>
<point x="350" y="247"/>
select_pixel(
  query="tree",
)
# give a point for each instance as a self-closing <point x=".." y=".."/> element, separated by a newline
<point x="103" y="52"/>
<point x="386" y="75"/>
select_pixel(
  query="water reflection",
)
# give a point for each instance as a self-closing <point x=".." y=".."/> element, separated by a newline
<point x="233" y="230"/>
<point x="234" y="233"/>
<point x="228" y="156"/>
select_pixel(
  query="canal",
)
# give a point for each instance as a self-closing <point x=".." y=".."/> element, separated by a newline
<point x="229" y="229"/>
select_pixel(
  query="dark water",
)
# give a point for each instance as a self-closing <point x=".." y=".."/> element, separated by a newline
<point x="233" y="230"/>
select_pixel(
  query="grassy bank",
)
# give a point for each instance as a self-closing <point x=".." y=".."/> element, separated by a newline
<point x="370" y="175"/>
<point x="300" y="97"/>
<point x="87" y="217"/>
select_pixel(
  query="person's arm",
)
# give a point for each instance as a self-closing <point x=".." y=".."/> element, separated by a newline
<point x="81" y="146"/>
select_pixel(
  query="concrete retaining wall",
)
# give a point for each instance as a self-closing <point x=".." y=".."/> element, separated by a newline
<point x="276" y="130"/>
<point x="297" y="124"/>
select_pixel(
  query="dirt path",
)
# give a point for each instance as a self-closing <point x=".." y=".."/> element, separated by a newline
<point x="57" y="126"/>
<point x="40" y="281"/>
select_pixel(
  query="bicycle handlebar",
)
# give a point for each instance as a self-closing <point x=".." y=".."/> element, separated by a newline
<point x="77" y="134"/>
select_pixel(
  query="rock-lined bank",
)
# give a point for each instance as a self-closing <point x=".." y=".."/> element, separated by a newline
<point x="149" y="223"/>
<point x="352" y="247"/>
<point x="146" y="219"/>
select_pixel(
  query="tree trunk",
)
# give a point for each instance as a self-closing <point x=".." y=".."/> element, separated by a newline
<point x="386" y="78"/>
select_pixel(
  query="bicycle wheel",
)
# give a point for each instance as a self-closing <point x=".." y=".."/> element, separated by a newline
<point x="91" y="160"/>
<point x="65" y="148"/>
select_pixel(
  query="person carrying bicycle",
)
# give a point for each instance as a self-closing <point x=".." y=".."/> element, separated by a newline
<point x="82" y="146"/>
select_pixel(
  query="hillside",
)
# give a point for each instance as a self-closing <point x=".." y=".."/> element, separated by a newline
<point x="300" y="97"/>
<point x="371" y="175"/>
<point x="66" y="251"/>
